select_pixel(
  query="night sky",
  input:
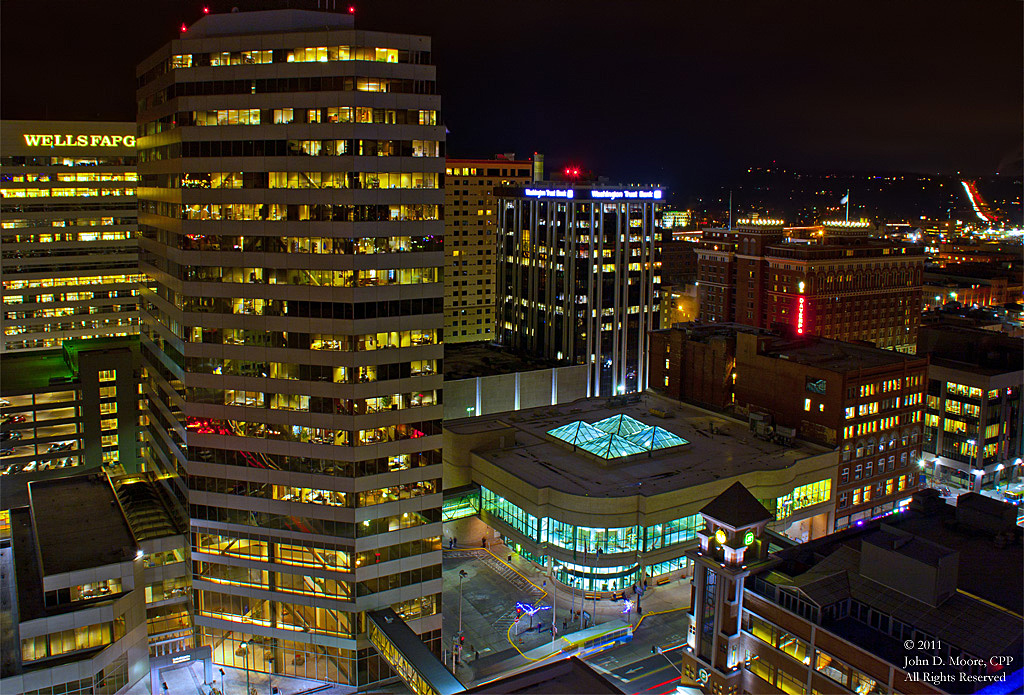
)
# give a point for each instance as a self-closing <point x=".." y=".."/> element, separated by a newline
<point x="676" y="92"/>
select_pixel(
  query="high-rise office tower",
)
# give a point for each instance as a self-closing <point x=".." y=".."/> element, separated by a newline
<point x="470" y="215"/>
<point x="578" y="277"/>
<point x="70" y="260"/>
<point x="291" y="171"/>
<point x="839" y="282"/>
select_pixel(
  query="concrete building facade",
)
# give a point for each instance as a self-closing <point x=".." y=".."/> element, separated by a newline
<point x="75" y="406"/>
<point x="538" y="473"/>
<point x="578" y="277"/>
<point x="291" y="170"/>
<point x="973" y="419"/>
<point x="70" y="253"/>
<point x="470" y="228"/>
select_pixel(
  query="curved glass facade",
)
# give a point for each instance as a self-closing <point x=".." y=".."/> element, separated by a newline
<point x="585" y="542"/>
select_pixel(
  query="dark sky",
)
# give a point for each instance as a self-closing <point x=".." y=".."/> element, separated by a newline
<point x="678" y="92"/>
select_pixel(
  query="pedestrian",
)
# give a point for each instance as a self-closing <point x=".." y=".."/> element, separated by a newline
<point x="483" y="542"/>
<point x="565" y="623"/>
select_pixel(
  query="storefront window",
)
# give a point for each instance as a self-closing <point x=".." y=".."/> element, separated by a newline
<point x="803" y="496"/>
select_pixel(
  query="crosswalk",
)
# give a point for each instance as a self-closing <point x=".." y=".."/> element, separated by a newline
<point x="525" y="588"/>
<point x="505" y="621"/>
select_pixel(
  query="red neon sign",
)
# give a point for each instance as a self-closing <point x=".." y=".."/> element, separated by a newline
<point x="800" y="316"/>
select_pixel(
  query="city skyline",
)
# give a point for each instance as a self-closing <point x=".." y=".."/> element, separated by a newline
<point x="308" y="383"/>
<point x="711" y="90"/>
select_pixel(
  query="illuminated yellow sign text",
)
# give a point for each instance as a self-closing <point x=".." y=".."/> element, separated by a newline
<point x="79" y="140"/>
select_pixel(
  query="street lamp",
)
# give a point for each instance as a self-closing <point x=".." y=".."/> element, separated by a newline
<point x="554" y="597"/>
<point x="462" y="575"/>
<point x="457" y="644"/>
<point x="572" y="611"/>
<point x="245" y="654"/>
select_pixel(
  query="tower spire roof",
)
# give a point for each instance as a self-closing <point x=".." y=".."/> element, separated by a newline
<point x="737" y="508"/>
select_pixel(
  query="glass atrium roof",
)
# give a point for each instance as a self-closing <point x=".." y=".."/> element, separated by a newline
<point x="616" y="436"/>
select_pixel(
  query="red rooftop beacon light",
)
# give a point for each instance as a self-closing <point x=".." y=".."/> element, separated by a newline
<point x="206" y="10"/>
<point x="351" y="9"/>
<point x="183" y="28"/>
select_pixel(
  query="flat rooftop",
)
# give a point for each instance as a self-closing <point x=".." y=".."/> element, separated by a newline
<point x="700" y="332"/>
<point x="834" y="355"/>
<point x="79" y="524"/>
<point x="470" y="360"/>
<point x="31" y="372"/>
<point x="267" y="21"/>
<point x="972" y="368"/>
<point x="74" y="348"/>
<point x="717" y="447"/>
<point x="938" y="524"/>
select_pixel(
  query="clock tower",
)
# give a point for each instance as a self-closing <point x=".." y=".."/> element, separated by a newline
<point x="731" y="545"/>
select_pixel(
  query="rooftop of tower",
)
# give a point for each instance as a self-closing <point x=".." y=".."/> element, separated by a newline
<point x="267" y="22"/>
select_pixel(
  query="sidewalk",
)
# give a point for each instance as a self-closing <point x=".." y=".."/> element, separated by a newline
<point x="188" y="680"/>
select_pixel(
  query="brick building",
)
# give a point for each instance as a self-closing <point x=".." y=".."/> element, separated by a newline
<point x="864" y="401"/>
<point x="678" y="259"/>
<point x="695" y="362"/>
<point x="838" y="282"/>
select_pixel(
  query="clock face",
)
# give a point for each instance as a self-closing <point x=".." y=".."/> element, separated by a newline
<point x="748" y="539"/>
<point x="703" y="675"/>
<point x="720" y="536"/>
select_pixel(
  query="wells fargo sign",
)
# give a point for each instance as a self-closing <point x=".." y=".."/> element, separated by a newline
<point x="79" y="140"/>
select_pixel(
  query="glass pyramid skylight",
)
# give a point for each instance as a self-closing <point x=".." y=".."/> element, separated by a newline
<point x="616" y="436"/>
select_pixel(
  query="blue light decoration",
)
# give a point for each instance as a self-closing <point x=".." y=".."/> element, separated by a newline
<point x="529" y="609"/>
<point x="627" y="606"/>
